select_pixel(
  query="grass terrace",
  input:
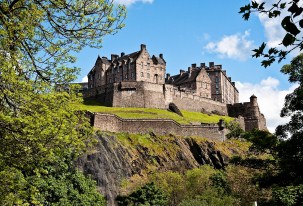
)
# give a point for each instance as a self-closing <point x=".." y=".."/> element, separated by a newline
<point x="152" y="113"/>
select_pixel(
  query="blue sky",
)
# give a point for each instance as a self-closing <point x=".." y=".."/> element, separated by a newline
<point x="197" y="31"/>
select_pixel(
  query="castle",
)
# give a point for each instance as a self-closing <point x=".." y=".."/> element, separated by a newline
<point x="140" y="80"/>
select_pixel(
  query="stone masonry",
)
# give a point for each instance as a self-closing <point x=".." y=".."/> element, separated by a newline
<point x="137" y="80"/>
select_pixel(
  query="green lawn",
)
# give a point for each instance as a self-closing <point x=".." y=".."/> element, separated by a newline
<point x="151" y="113"/>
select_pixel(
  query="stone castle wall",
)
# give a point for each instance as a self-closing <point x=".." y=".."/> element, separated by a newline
<point x="151" y="95"/>
<point x="113" y="123"/>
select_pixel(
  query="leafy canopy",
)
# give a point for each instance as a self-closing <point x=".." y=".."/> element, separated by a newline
<point x="292" y="23"/>
<point x="41" y="134"/>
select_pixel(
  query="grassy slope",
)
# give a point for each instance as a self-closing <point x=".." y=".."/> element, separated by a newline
<point x="151" y="113"/>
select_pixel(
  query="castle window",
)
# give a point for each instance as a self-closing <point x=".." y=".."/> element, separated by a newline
<point x="217" y="85"/>
<point x="142" y="75"/>
<point x="217" y="91"/>
<point x="142" y="65"/>
<point x="121" y="77"/>
<point x="110" y="80"/>
<point x="148" y="75"/>
<point x="91" y="77"/>
<point x="126" y="76"/>
<point x="132" y="75"/>
<point x="148" y="66"/>
<point x="115" y="79"/>
<point x="217" y="79"/>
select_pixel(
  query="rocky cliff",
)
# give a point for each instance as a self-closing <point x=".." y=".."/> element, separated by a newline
<point x="118" y="157"/>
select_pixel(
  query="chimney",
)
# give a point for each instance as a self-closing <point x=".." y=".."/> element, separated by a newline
<point x="189" y="70"/>
<point x="224" y="72"/>
<point x="181" y="71"/>
<point x="211" y="64"/>
<point x="229" y="78"/>
<point x="104" y="57"/>
<point x="202" y="65"/>
<point x="167" y="75"/>
<point x="193" y="65"/>
<point x="114" y="56"/>
<point x="122" y="54"/>
<point x="233" y="83"/>
<point x="143" y="47"/>
<point x="161" y="56"/>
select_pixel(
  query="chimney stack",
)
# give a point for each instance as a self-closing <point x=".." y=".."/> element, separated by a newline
<point x="193" y="65"/>
<point x="143" y="47"/>
<point x="161" y="56"/>
<point x="122" y="54"/>
<point x="181" y="71"/>
<point x="211" y="64"/>
<point x="202" y="65"/>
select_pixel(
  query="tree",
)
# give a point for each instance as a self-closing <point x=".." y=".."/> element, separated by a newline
<point x="148" y="195"/>
<point x="292" y="23"/>
<point x="290" y="151"/>
<point x="41" y="132"/>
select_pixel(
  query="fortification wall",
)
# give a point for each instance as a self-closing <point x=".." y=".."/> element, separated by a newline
<point x="113" y="123"/>
<point x="138" y="94"/>
<point x="190" y="101"/>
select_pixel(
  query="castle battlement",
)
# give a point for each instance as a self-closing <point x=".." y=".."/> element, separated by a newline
<point x="138" y="80"/>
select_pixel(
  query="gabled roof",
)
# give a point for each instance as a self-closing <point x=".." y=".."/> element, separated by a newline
<point x="184" y="77"/>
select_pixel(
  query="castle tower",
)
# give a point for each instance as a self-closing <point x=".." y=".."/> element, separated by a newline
<point x="253" y="100"/>
<point x="254" y="108"/>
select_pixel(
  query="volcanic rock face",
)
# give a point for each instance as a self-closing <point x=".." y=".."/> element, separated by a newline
<point x="115" y="159"/>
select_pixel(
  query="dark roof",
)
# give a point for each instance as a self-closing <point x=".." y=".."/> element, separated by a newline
<point x="185" y="77"/>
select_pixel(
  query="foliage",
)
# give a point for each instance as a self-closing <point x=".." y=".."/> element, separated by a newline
<point x="262" y="140"/>
<point x="290" y="151"/>
<point x="148" y="195"/>
<point x="292" y="23"/>
<point x="41" y="132"/>
<point x="288" y="196"/>
<point x="235" y="129"/>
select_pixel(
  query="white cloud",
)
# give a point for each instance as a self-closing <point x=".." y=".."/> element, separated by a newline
<point x="235" y="46"/>
<point x="270" y="99"/>
<point x="84" y="79"/>
<point x="272" y="26"/>
<point x="129" y="2"/>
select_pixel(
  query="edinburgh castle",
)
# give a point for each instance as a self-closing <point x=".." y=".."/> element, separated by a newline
<point x="140" y="80"/>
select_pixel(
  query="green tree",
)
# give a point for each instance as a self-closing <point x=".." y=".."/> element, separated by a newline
<point x="148" y="195"/>
<point x="41" y="134"/>
<point x="292" y="23"/>
<point x="290" y="150"/>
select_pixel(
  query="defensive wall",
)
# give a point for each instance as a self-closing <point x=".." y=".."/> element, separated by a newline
<point x="113" y="123"/>
<point x="151" y="95"/>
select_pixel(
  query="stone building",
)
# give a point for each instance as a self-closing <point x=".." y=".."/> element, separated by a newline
<point x="209" y="82"/>
<point x="134" y="67"/>
<point x="137" y="80"/>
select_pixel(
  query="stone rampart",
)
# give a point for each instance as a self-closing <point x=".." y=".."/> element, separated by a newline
<point x="113" y="123"/>
<point x="187" y="100"/>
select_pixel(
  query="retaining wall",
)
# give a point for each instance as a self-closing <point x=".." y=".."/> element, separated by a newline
<point x="113" y="123"/>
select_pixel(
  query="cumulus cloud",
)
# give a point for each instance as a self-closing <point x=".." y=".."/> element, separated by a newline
<point x="272" y="26"/>
<point x="235" y="46"/>
<point x="129" y="2"/>
<point x="270" y="99"/>
<point x="84" y="79"/>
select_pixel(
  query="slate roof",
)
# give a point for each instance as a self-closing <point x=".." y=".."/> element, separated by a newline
<point x="184" y="77"/>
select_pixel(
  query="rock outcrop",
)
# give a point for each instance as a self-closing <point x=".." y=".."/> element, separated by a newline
<point x="117" y="158"/>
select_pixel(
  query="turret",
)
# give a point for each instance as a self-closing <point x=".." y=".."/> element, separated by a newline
<point x="253" y="100"/>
